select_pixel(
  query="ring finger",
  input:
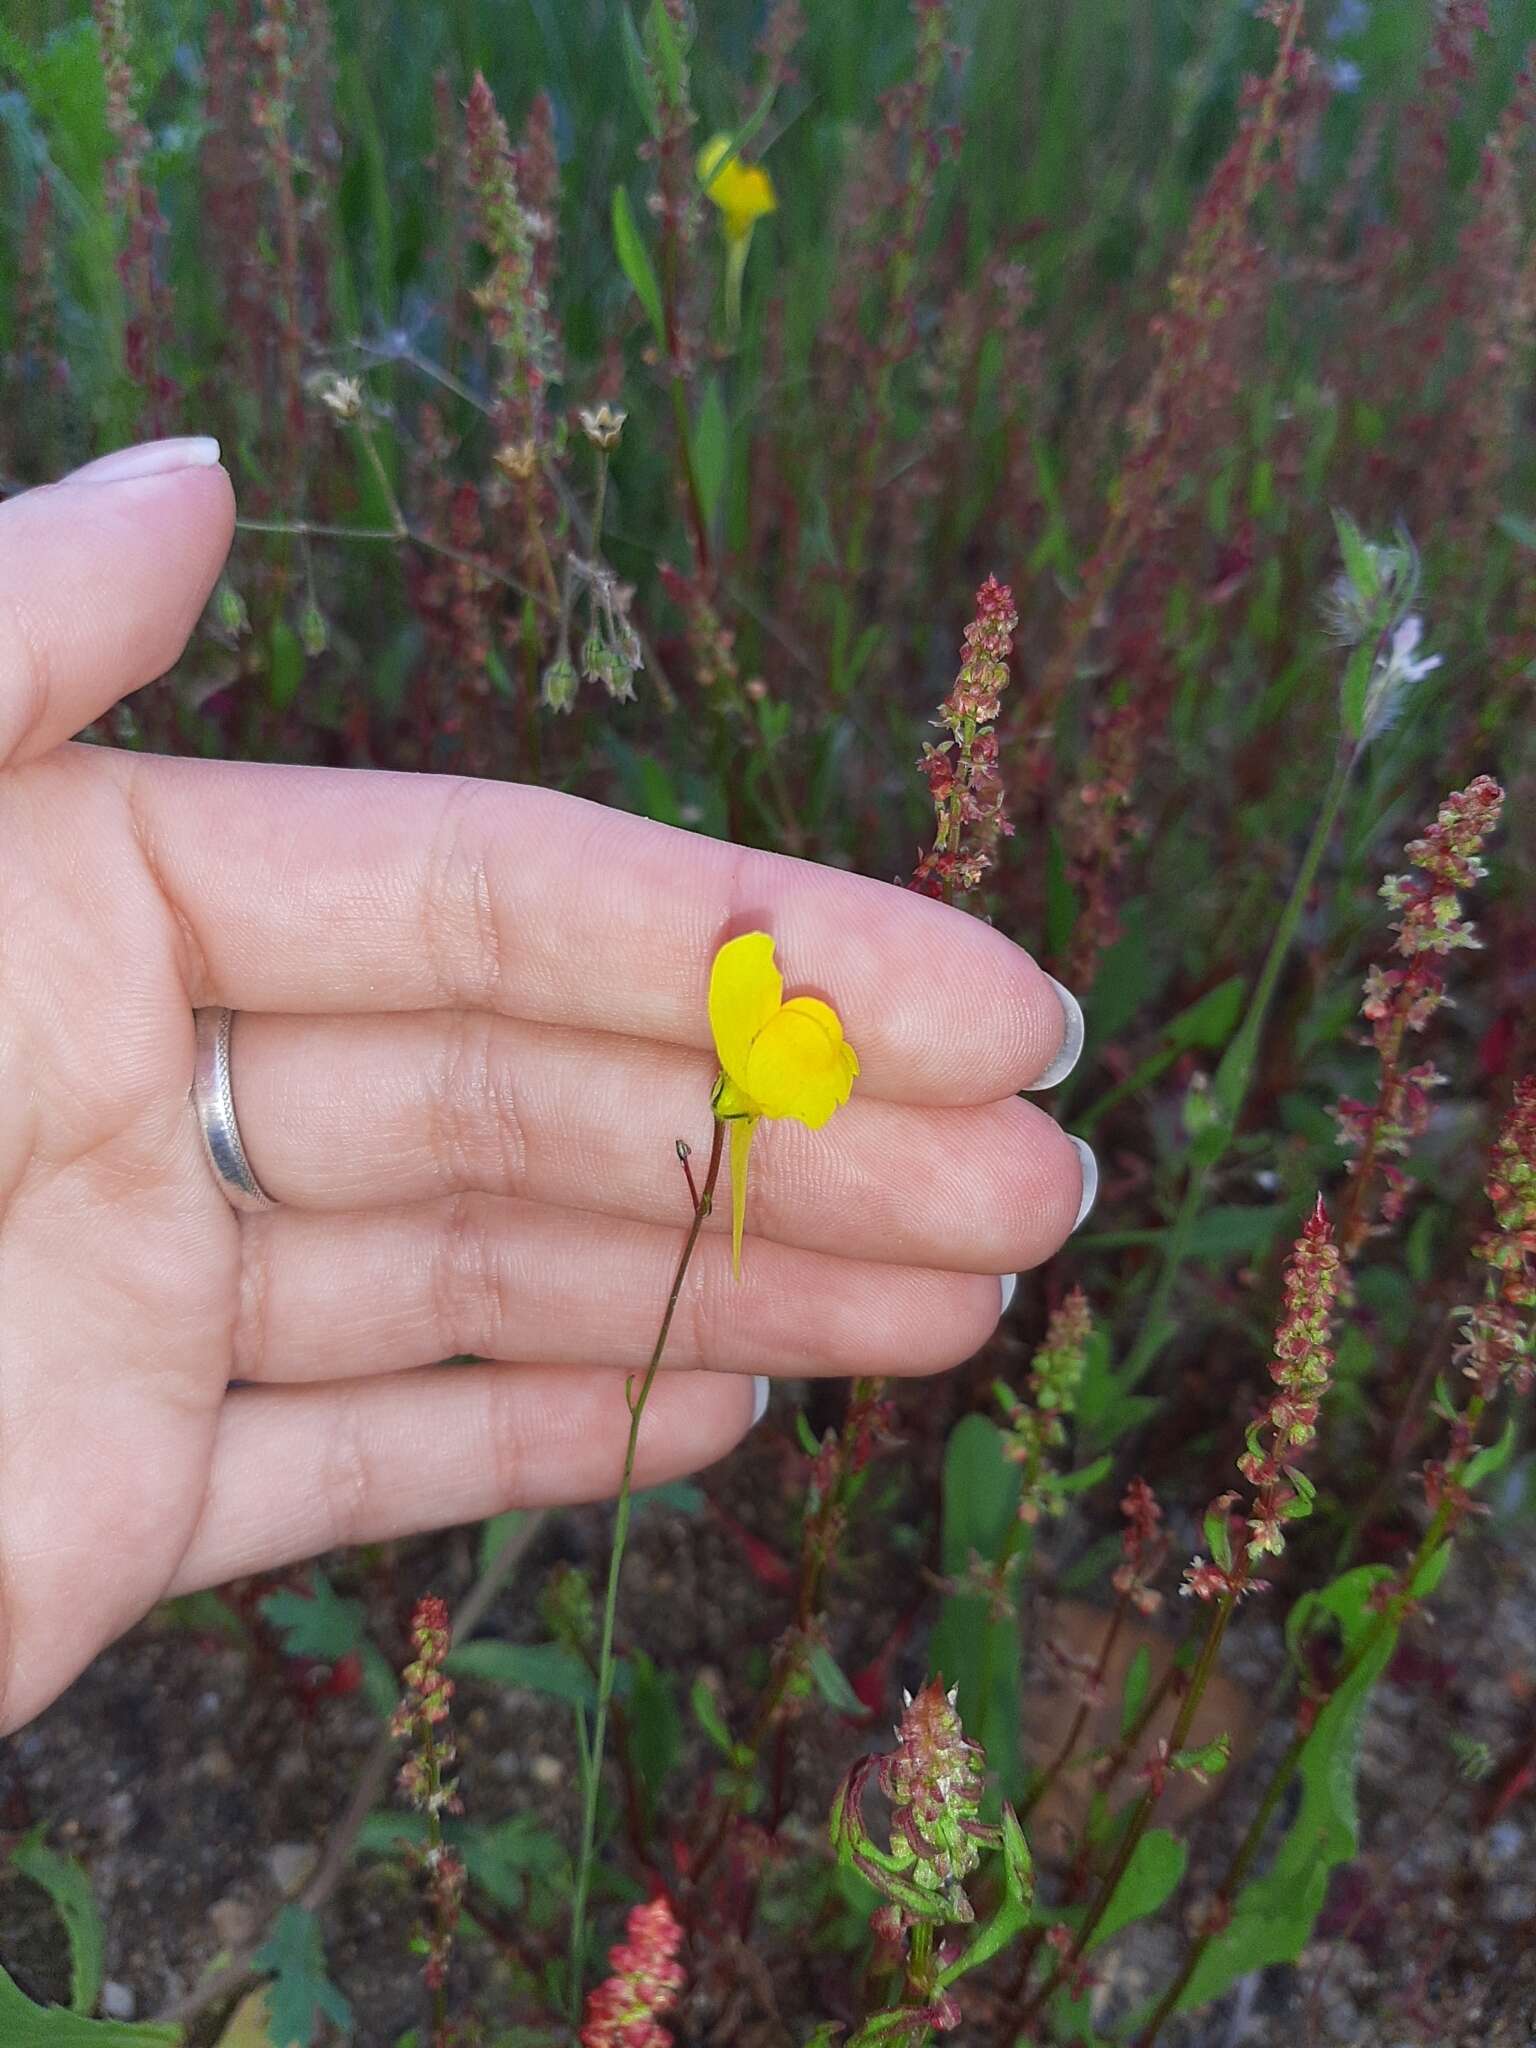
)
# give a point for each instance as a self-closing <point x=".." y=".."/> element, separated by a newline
<point x="330" y="1297"/>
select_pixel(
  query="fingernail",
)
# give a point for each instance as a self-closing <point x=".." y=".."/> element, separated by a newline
<point x="1071" y="1045"/>
<point x="759" y="1399"/>
<point x="1090" y="1167"/>
<point x="150" y="458"/>
<point x="1010" y="1289"/>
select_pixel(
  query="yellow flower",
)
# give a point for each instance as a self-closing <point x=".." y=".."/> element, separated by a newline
<point x="743" y="192"/>
<point x="776" y="1058"/>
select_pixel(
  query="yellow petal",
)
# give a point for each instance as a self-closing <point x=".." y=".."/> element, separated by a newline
<point x="800" y="1064"/>
<point x="745" y="990"/>
<point x="743" y="192"/>
<point x="741" y="1128"/>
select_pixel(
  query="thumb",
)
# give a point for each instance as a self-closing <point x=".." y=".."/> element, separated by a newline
<point x="102" y="578"/>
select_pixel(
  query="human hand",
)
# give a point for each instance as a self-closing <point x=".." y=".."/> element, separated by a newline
<point x="471" y="1025"/>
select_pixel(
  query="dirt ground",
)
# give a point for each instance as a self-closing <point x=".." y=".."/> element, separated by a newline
<point x="196" y="1786"/>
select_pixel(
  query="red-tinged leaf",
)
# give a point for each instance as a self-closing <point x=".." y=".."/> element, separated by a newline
<point x="764" y="1562"/>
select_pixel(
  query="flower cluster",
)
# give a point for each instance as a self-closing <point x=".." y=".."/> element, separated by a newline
<point x="1037" y="1426"/>
<point x="510" y="296"/>
<point x="1497" y="1345"/>
<point x="934" y="1780"/>
<point x="1301" y="1367"/>
<point x="1143" y="1547"/>
<point x="1399" y="1000"/>
<point x="420" y="1718"/>
<point x="961" y="771"/>
<point x="626" y="2009"/>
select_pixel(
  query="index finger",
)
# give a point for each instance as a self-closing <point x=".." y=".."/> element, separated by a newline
<point x="319" y="890"/>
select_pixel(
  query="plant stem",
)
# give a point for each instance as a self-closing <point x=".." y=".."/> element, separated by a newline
<point x="1233" y="1076"/>
<point x="1063" y="1756"/>
<point x="637" y="1398"/>
<point x="1136" y="1827"/>
<point x="1389" y="1618"/>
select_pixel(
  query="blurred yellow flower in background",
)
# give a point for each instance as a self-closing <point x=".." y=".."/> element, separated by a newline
<point x="776" y="1058"/>
<point x="743" y="193"/>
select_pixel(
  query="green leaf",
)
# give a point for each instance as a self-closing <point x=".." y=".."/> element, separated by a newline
<point x="1211" y="1019"/>
<point x="25" y="2025"/>
<point x="1137" y="1679"/>
<point x="1012" y="1915"/>
<point x="1156" y="1866"/>
<point x="639" y="73"/>
<point x="499" y="1858"/>
<point x="706" y="1711"/>
<point x="711" y="450"/>
<point x="495" y="1531"/>
<point x="972" y="1648"/>
<point x="831" y="1682"/>
<point x="1274" y="1915"/>
<point x="318" y="1624"/>
<point x="1491" y="1458"/>
<point x="548" y="1668"/>
<point x="1518" y="527"/>
<point x="69" y="1888"/>
<point x="679" y="1496"/>
<point x="655" y="1725"/>
<point x="1355" y="686"/>
<point x="635" y="262"/>
<point x="302" y="1992"/>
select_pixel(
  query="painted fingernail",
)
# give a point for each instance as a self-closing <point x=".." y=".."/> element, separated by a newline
<point x="759" y="1399"/>
<point x="1071" y="1045"/>
<point x="1010" y="1289"/>
<point x="1090" y="1167"/>
<point x="150" y="458"/>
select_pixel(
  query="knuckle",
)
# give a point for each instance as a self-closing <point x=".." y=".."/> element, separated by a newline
<point x="346" y="1476"/>
<point x="478" y="1135"/>
<point x="472" y="1282"/>
<point x="252" y="1336"/>
<point x="461" y="928"/>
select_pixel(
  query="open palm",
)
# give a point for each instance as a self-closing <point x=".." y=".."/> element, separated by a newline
<point x="471" y="1026"/>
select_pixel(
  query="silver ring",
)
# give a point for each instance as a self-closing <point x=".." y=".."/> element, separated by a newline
<point x="214" y="1100"/>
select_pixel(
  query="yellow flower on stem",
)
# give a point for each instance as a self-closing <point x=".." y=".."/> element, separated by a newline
<point x="776" y="1058"/>
<point x="743" y="193"/>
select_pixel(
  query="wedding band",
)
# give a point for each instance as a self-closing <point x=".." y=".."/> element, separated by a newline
<point x="214" y="1101"/>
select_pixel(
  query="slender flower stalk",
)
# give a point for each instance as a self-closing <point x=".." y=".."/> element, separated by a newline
<point x="637" y="1395"/>
<point x="421" y="1718"/>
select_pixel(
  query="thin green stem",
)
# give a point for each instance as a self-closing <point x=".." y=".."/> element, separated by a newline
<point x="637" y="1398"/>
<point x="1230" y="1088"/>
<point x="1242" y="1862"/>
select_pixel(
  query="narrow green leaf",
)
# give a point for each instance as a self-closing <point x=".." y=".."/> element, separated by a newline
<point x="1137" y="1680"/>
<point x="285" y="665"/>
<point x="639" y="73"/>
<point x="1211" y="1020"/>
<point x="69" y="1888"/>
<point x="831" y="1682"/>
<point x="706" y="1711"/>
<point x="547" y="1668"/>
<point x="972" y="1648"/>
<point x="635" y="262"/>
<point x="25" y="2025"/>
<point x="495" y="1531"/>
